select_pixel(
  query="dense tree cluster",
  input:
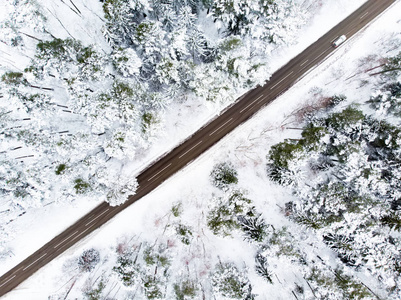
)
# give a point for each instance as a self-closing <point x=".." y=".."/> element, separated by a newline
<point x="345" y="170"/>
<point x="79" y="108"/>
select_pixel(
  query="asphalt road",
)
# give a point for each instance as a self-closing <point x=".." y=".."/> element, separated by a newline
<point x="199" y="142"/>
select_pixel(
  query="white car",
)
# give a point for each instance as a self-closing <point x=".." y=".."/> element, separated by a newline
<point x="337" y="42"/>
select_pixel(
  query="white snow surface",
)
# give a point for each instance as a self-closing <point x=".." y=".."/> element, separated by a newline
<point x="246" y="147"/>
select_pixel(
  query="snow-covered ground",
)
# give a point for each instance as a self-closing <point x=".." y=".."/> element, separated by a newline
<point x="246" y="148"/>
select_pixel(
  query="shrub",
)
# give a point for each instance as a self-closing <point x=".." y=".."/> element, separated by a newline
<point x="351" y="288"/>
<point x="341" y="120"/>
<point x="122" y="90"/>
<point x="14" y="78"/>
<point x="93" y="293"/>
<point x="229" y="282"/>
<point x="254" y="228"/>
<point x="223" y="218"/>
<point x="230" y="43"/>
<point x="66" y="50"/>
<point x="343" y="246"/>
<point x="281" y="153"/>
<point x="85" y="54"/>
<point x="88" y="260"/>
<point x="184" y="233"/>
<point x="80" y="186"/>
<point x="177" y="210"/>
<point x="152" y="287"/>
<point x="148" y="119"/>
<point x="221" y="221"/>
<point x="393" y="66"/>
<point x="154" y="256"/>
<point x="185" y="289"/>
<point x="223" y="175"/>
<point x="392" y="220"/>
<point x="126" y="269"/>
<point x="60" y="169"/>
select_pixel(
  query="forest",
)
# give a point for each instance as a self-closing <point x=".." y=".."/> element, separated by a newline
<point x="77" y="110"/>
<point x="78" y="113"/>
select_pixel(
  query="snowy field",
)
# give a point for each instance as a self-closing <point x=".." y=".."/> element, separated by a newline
<point x="246" y="148"/>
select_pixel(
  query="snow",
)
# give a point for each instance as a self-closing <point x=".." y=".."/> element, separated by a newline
<point x="246" y="147"/>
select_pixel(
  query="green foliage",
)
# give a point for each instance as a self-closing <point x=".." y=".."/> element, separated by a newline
<point x="166" y="65"/>
<point x="153" y="257"/>
<point x="223" y="8"/>
<point x="177" y="210"/>
<point x="148" y="119"/>
<point x="109" y="5"/>
<point x="69" y="50"/>
<point x="311" y="137"/>
<point x="120" y="58"/>
<point x="122" y="90"/>
<point x="230" y="212"/>
<point x="281" y="153"/>
<point x="223" y="175"/>
<point x="95" y="293"/>
<point x="239" y="204"/>
<point x="337" y="281"/>
<point x="348" y="117"/>
<point x="309" y="220"/>
<point x="255" y="67"/>
<point x="230" y="44"/>
<point x="126" y="269"/>
<point x="207" y="3"/>
<point x="55" y="48"/>
<point x="387" y="135"/>
<point x="143" y="30"/>
<point x="104" y="100"/>
<point x="347" y="121"/>
<point x="229" y="282"/>
<point x="17" y="41"/>
<point x="86" y="54"/>
<point x="184" y="233"/>
<point x="32" y="69"/>
<point x="186" y="289"/>
<point x="149" y="256"/>
<point x="351" y="288"/>
<point x="152" y="287"/>
<point x="80" y="186"/>
<point x="21" y="191"/>
<point x="353" y="160"/>
<point x="284" y="242"/>
<point x="60" y="169"/>
<point x="392" y="220"/>
<point x="231" y="67"/>
<point x="321" y="279"/>
<point x="221" y="222"/>
<point x="66" y="50"/>
<point x="334" y="195"/>
<point x="393" y="66"/>
<point x="33" y="98"/>
<point x="14" y="78"/>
